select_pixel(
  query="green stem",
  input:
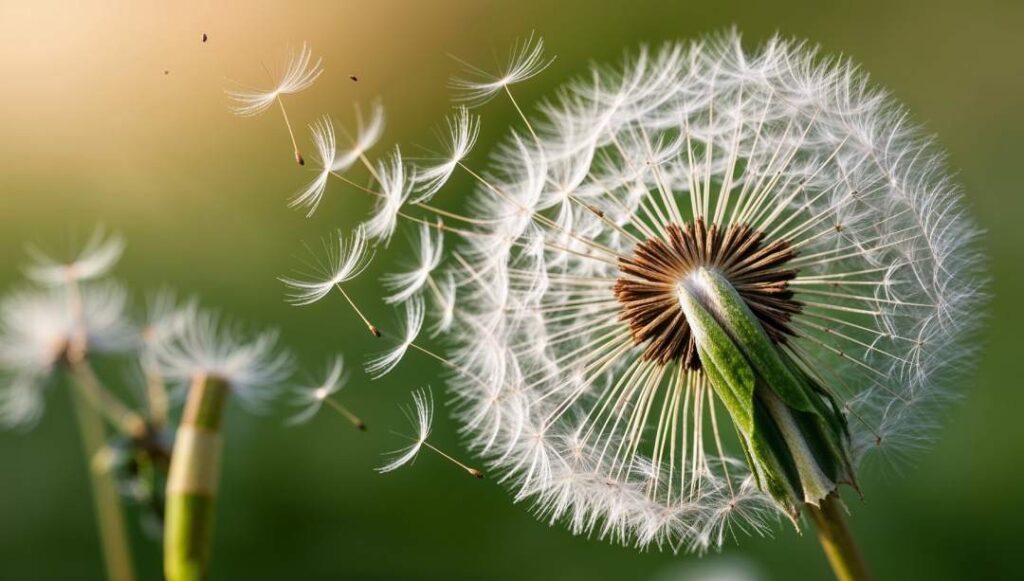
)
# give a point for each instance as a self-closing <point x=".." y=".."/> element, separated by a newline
<point x="837" y="541"/>
<point x="192" y="481"/>
<point x="107" y="502"/>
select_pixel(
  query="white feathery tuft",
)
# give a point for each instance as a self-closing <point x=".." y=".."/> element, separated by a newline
<point x="322" y="132"/>
<point x="404" y="285"/>
<point x="368" y="133"/>
<point x="395" y="186"/>
<point x="96" y="258"/>
<point x="526" y="60"/>
<point x="298" y="74"/>
<point x="420" y="416"/>
<point x="311" y="399"/>
<point x="463" y="130"/>
<point x="343" y="259"/>
<point x="254" y="368"/>
<point x="380" y="365"/>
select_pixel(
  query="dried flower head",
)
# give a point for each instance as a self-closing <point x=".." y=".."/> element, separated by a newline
<point x="648" y="208"/>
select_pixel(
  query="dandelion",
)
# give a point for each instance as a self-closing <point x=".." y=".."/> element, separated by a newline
<point x="311" y="399"/>
<point x="213" y="359"/>
<point x="421" y="416"/>
<point x="38" y="327"/>
<point x="404" y="285"/>
<point x="709" y="237"/>
<point x="96" y="258"/>
<point x="298" y="74"/>
<point x="212" y="349"/>
<point x="341" y="264"/>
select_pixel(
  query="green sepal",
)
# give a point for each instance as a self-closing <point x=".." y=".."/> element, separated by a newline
<point x="791" y="428"/>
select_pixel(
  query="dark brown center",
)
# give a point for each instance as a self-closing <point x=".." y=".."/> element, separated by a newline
<point x="647" y="287"/>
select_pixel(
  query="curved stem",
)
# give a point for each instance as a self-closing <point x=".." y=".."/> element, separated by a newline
<point x="106" y="501"/>
<point x="837" y="541"/>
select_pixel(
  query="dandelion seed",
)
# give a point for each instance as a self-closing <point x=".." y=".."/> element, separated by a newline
<point x="340" y="264"/>
<point x="380" y="365"/>
<point x="298" y="74"/>
<point x="526" y="60"/>
<point x="311" y="399"/>
<point x="444" y="294"/>
<point x="395" y="188"/>
<point x="322" y="132"/>
<point x="368" y="133"/>
<point x="96" y="258"/>
<point x="463" y="130"/>
<point x="421" y="416"/>
<point x="404" y="285"/>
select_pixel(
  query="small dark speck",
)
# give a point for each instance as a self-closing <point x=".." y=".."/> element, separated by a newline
<point x="204" y="37"/>
<point x="354" y="78"/>
<point x="167" y="72"/>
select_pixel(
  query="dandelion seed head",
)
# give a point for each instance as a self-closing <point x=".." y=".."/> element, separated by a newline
<point x="209" y="345"/>
<point x="784" y="172"/>
<point x="39" y="327"/>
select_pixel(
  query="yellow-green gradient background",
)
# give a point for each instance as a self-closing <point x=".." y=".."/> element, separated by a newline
<point x="93" y="131"/>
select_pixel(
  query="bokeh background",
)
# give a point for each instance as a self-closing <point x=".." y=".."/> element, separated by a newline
<point x="114" y="114"/>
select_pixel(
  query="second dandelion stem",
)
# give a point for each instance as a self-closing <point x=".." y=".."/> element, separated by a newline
<point x="192" y="481"/>
<point x="837" y="541"/>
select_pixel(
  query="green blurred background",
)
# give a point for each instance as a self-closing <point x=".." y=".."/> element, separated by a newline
<point x="114" y="114"/>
